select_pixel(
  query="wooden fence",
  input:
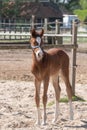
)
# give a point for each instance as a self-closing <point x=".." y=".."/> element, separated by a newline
<point x="56" y="37"/>
<point x="20" y="31"/>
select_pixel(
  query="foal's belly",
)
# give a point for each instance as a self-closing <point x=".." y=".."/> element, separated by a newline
<point x="57" y="58"/>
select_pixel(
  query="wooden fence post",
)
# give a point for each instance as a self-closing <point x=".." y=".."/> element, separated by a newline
<point x="57" y="31"/>
<point x="33" y="19"/>
<point x="9" y="29"/>
<point x="45" y="28"/>
<point x="58" y="40"/>
<point x="74" y="51"/>
<point x="4" y="28"/>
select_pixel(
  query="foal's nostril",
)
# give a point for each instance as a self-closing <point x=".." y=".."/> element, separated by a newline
<point x="39" y="54"/>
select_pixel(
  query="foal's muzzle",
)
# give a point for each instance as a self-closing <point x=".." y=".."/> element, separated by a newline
<point x="39" y="54"/>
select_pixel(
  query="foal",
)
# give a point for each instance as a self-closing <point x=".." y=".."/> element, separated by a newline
<point x="46" y="65"/>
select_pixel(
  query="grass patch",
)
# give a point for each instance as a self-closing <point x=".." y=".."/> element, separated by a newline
<point x="51" y="103"/>
<point x="74" y="98"/>
<point x="65" y="100"/>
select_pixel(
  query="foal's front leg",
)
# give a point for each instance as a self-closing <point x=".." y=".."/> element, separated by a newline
<point x="37" y="99"/>
<point x="46" y="83"/>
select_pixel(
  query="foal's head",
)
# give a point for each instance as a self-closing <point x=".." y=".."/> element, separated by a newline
<point x="36" y="42"/>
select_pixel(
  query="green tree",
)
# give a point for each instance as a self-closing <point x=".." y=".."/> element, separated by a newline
<point x="82" y="12"/>
<point x="83" y="4"/>
<point x="72" y="5"/>
<point x="9" y="9"/>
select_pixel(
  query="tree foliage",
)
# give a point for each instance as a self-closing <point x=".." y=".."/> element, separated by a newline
<point x="83" y="4"/>
<point x="78" y="7"/>
<point x="72" y="5"/>
<point x="82" y="12"/>
<point x="10" y="8"/>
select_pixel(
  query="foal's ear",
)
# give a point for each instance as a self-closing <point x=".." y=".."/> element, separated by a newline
<point x="42" y="32"/>
<point x="33" y="32"/>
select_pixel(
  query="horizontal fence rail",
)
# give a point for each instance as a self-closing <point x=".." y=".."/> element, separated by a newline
<point x="48" y="35"/>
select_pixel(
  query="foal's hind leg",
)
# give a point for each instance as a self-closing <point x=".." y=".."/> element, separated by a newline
<point x="65" y="74"/>
<point x="57" y="95"/>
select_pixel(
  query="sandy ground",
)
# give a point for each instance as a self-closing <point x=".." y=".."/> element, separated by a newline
<point x="17" y="105"/>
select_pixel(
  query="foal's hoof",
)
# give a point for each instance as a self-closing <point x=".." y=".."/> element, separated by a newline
<point x="44" y="123"/>
<point x="37" y="123"/>
<point x="71" y="118"/>
<point x="54" y="121"/>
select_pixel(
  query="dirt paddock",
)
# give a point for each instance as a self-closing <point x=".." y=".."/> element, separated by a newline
<point x="17" y="106"/>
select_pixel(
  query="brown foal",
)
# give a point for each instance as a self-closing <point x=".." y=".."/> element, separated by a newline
<point x="46" y="65"/>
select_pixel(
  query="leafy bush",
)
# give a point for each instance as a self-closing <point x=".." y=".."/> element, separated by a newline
<point x="82" y="14"/>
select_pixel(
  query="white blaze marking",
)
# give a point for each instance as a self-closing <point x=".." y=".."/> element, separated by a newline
<point x="38" y="39"/>
<point x="39" y="54"/>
